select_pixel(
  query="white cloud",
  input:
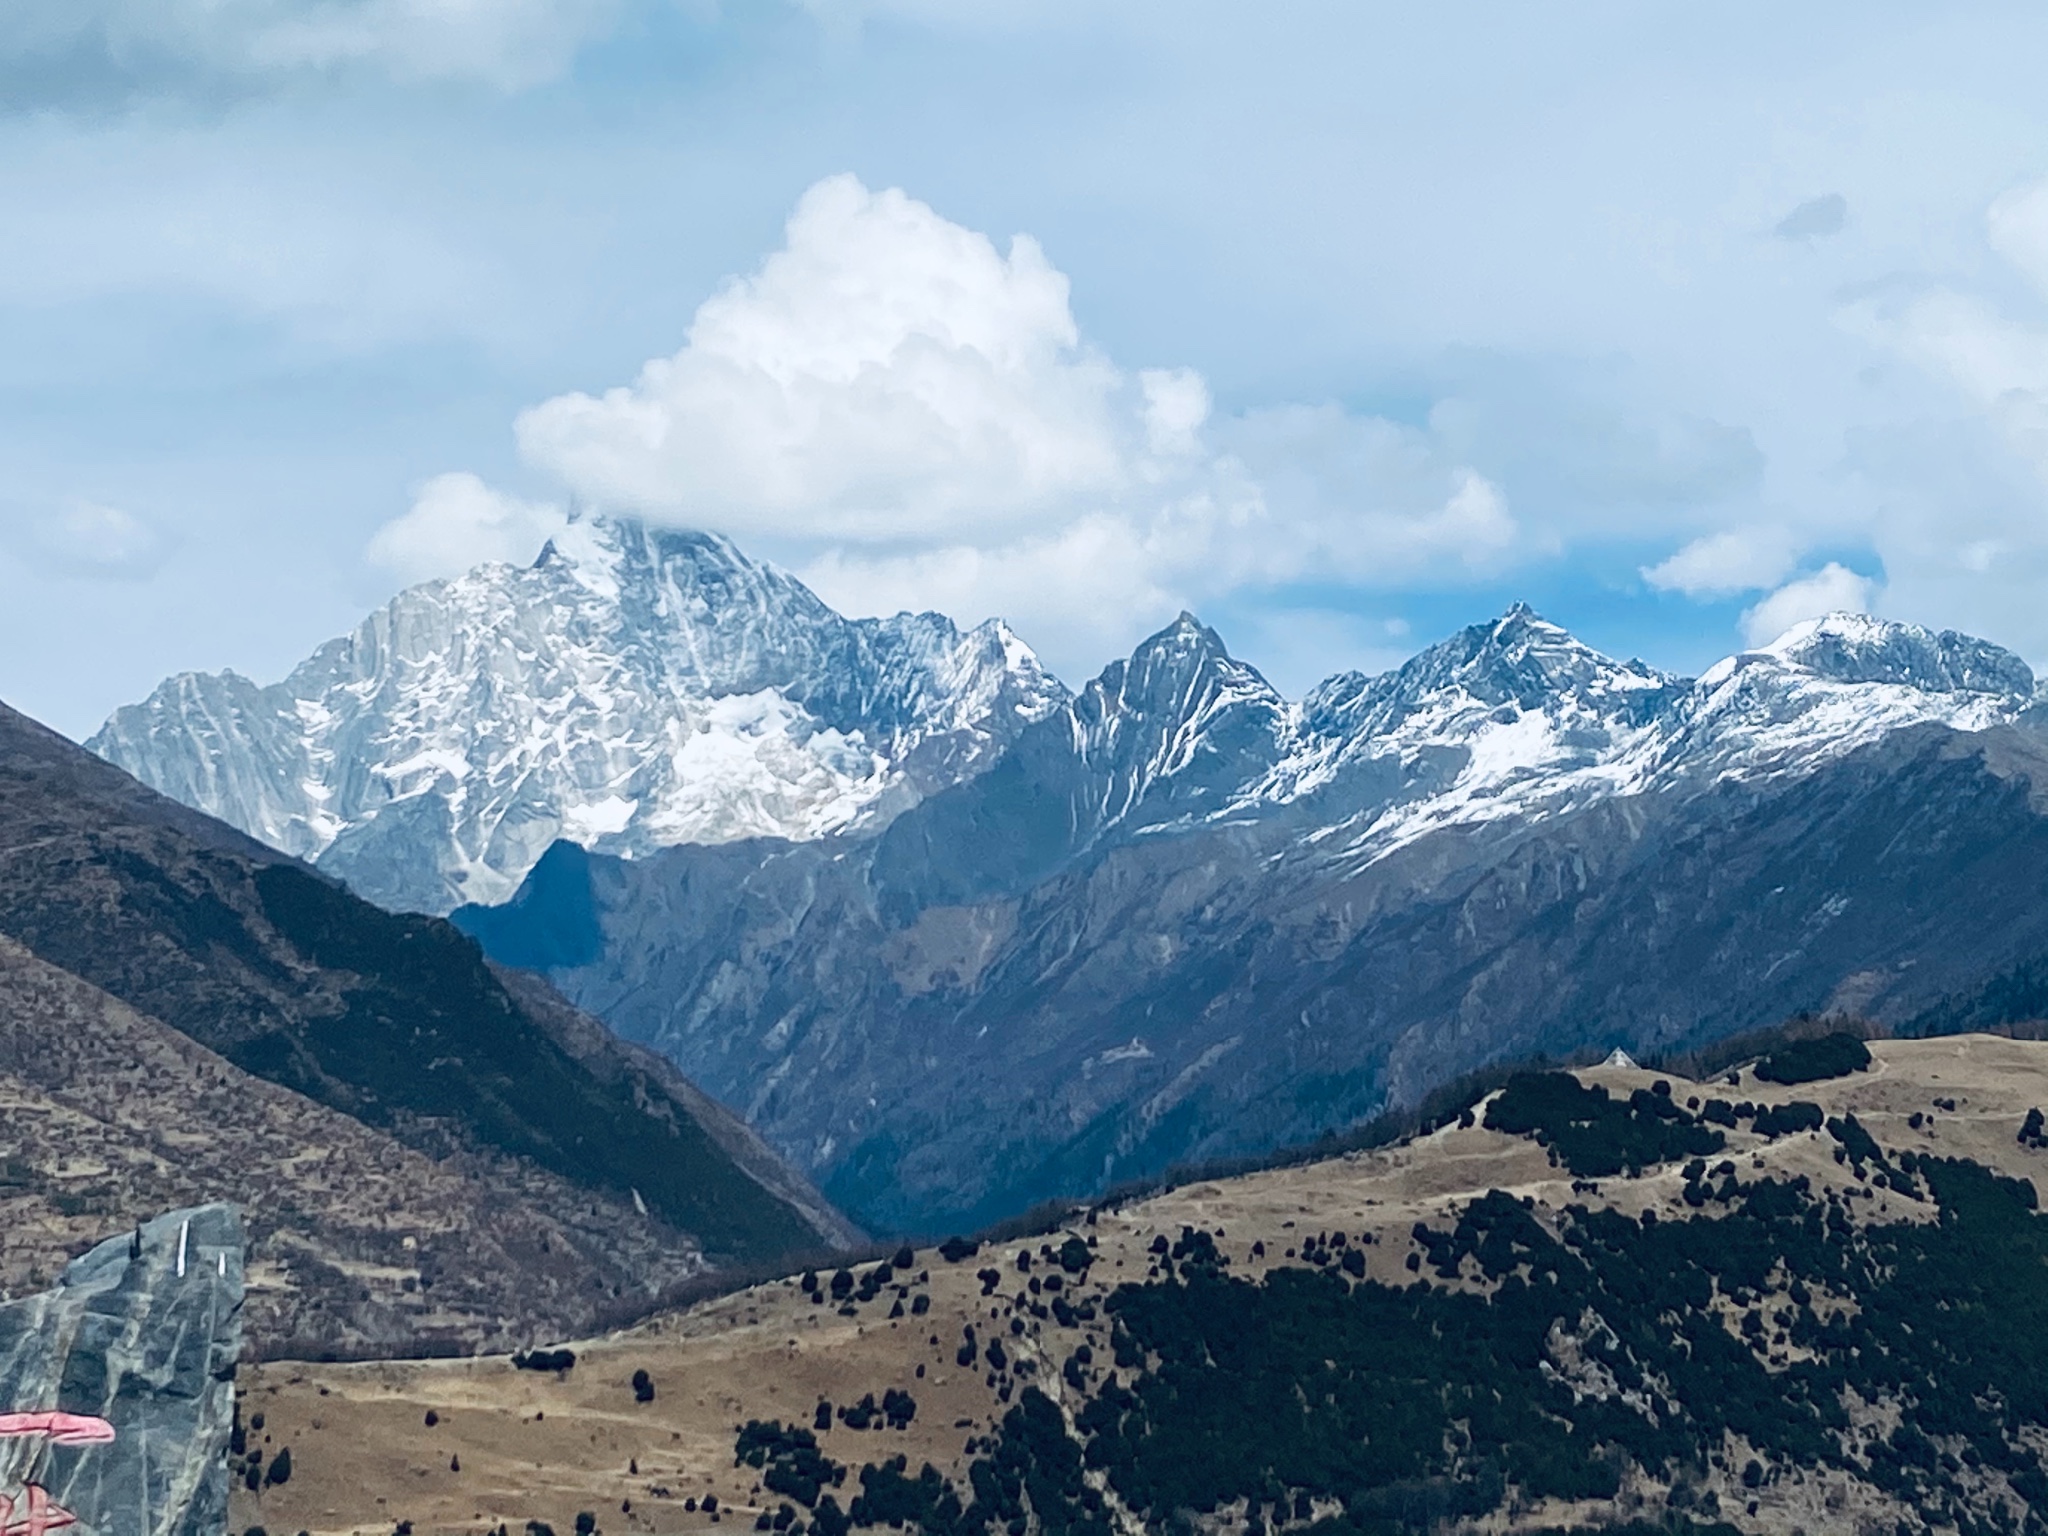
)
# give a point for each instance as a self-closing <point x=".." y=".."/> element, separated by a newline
<point x="1081" y="594"/>
<point x="1988" y="356"/>
<point x="2017" y="225"/>
<point x="885" y="375"/>
<point x="100" y="48"/>
<point x="1366" y="500"/>
<point x="88" y="539"/>
<point x="913" y="416"/>
<point x="1090" y="588"/>
<point x="1831" y="589"/>
<point x="1176" y="406"/>
<point x="456" y="521"/>
<point x="1997" y="359"/>
<point x="1721" y="564"/>
<point x="1960" y="519"/>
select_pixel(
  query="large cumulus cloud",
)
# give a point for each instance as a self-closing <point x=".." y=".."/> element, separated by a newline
<point x="884" y="375"/>
<point x="910" y="413"/>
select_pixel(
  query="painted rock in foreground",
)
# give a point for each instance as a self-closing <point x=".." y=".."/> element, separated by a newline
<point x="117" y="1384"/>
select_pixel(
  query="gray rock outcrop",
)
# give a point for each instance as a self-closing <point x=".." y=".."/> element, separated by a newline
<point x="143" y="1332"/>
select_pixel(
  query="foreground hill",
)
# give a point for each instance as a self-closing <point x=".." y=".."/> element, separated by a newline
<point x="1745" y="1304"/>
<point x="429" y="1155"/>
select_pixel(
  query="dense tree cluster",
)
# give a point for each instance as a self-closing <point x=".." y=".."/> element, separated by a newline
<point x="544" y="1360"/>
<point x="1788" y="1119"/>
<point x="1811" y="1061"/>
<point x="1406" y="1405"/>
<point x="789" y="1460"/>
<point x="1593" y="1134"/>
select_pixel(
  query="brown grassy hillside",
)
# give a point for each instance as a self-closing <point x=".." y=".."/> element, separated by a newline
<point x="508" y="1446"/>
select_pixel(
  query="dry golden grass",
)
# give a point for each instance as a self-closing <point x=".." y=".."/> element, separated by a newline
<point x="542" y="1447"/>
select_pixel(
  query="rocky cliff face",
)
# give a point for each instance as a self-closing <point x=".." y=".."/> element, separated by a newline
<point x="632" y="689"/>
<point x="142" y="1334"/>
<point x="1181" y="918"/>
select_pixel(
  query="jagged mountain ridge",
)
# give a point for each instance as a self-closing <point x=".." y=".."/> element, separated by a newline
<point x="631" y="689"/>
<point x="636" y="689"/>
<point x="1515" y="718"/>
<point x="1510" y="718"/>
<point x="1180" y="917"/>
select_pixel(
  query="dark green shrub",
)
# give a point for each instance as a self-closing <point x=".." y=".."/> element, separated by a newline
<point x="1789" y="1119"/>
<point x="790" y="1461"/>
<point x="1594" y="1135"/>
<point x="544" y="1360"/>
<point x="1811" y="1061"/>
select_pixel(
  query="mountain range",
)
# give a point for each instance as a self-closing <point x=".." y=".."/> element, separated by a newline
<point x="1043" y="941"/>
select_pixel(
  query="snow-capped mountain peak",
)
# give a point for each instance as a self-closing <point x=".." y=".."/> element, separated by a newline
<point x="1830" y="685"/>
<point x="1182" y="715"/>
<point x="1856" y="648"/>
<point x="1520" y="718"/>
<point x="1510" y="705"/>
<point x="633" y="688"/>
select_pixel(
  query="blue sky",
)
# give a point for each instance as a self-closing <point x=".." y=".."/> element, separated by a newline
<point x="1340" y="324"/>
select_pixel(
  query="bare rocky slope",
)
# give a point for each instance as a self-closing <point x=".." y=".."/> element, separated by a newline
<point x="428" y="1155"/>
<point x="1615" y="1300"/>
